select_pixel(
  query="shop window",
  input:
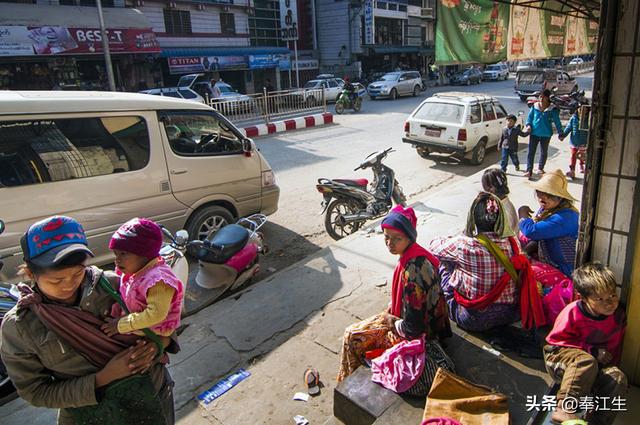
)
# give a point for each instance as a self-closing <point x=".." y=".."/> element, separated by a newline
<point x="177" y="22"/>
<point x="200" y="135"/>
<point x="228" y="23"/>
<point x="42" y="151"/>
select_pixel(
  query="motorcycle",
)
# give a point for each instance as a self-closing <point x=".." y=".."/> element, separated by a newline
<point x="349" y="203"/>
<point x="227" y="260"/>
<point x="345" y="101"/>
<point x="565" y="102"/>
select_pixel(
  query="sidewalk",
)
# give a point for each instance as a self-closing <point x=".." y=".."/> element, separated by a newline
<point x="296" y="318"/>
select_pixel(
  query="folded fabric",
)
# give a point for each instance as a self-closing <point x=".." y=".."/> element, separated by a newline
<point x="400" y="367"/>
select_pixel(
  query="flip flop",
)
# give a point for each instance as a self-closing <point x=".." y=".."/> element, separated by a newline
<point x="312" y="381"/>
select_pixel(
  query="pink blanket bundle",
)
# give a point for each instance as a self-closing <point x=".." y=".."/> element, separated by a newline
<point x="400" y="367"/>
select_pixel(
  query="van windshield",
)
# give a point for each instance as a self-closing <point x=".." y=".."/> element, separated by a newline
<point x="530" y="77"/>
<point x="440" y="112"/>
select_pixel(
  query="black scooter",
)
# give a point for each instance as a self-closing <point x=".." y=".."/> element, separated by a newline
<point x="349" y="203"/>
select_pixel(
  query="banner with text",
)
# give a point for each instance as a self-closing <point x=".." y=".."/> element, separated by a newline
<point x="288" y="20"/>
<point x="186" y="65"/>
<point x="469" y="31"/>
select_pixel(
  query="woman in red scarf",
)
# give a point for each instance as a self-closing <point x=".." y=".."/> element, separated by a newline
<point x="417" y="303"/>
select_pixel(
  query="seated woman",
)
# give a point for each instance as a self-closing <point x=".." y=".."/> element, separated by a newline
<point x="550" y="237"/>
<point x="417" y="305"/>
<point x="470" y="271"/>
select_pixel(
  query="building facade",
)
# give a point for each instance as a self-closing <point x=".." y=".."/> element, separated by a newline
<point x="365" y="36"/>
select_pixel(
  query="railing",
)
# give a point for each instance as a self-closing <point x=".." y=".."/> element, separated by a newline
<point x="270" y="106"/>
<point x="579" y="68"/>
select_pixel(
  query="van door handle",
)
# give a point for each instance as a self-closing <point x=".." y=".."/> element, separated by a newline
<point x="179" y="171"/>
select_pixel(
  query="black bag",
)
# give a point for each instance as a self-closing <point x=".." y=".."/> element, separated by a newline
<point x="435" y="357"/>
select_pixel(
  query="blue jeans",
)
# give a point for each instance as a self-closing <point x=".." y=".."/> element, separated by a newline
<point x="506" y="154"/>
<point x="533" y="146"/>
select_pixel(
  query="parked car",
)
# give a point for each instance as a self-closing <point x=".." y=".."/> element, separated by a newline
<point x="525" y="64"/>
<point x="105" y="157"/>
<point x="177" y="93"/>
<point x="498" y="71"/>
<point x="467" y="77"/>
<point x="462" y="124"/>
<point x="394" y="84"/>
<point x="576" y="61"/>
<point x="530" y="81"/>
<point x="312" y="91"/>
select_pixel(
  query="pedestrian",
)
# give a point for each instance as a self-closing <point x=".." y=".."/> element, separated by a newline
<point x="52" y="346"/>
<point x="577" y="141"/>
<point x="508" y="144"/>
<point x="214" y="90"/>
<point x="540" y="122"/>
<point x="584" y="347"/>
<point x="151" y="291"/>
<point x="268" y="86"/>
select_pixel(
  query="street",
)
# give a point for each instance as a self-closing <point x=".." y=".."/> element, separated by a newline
<point x="299" y="158"/>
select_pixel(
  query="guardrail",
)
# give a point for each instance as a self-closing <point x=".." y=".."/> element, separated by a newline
<point x="579" y="68"/>
<point x="270" y="106"/>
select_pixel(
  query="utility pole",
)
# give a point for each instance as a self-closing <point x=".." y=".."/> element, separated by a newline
<point x="105" y="47"/>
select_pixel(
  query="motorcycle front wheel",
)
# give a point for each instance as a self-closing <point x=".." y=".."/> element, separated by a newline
<point x="333" y="222"/>
<point x="339" y="107"/>
<point x="357" y="104"/>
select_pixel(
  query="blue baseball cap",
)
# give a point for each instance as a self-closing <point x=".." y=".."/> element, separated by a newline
<point x="51" y="240"/>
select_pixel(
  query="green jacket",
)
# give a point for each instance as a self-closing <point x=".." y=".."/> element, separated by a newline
<point x="45" y="370"/>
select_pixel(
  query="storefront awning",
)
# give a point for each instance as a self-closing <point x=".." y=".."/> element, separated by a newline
<point x="223" y="51"/>
<point x="41" y="30"/>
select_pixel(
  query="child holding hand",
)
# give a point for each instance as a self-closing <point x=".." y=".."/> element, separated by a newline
<point x="149" y="288"/>
<point x="585" y="345"/>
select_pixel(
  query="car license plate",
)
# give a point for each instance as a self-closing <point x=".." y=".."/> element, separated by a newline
<point x="432" y="133"/>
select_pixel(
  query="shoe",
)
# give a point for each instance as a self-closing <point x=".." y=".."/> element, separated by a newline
<point x="528" y="174"/>
<point x="570" y="174"/>
<point x="517" y="168"/>
<point x="540" y="172"/>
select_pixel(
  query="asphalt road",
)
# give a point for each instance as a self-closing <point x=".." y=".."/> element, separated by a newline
<point x="299" y="158"/>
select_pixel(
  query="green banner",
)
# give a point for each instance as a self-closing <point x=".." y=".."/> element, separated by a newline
<point x="470" y="31"/>
<point x="554" y="30"/>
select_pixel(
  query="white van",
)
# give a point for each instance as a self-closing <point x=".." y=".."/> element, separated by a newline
<point x="105" y="157"/>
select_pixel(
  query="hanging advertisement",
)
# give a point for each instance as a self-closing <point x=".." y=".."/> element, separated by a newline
<point x="369" y="23"/>
<point x="526" y="34"/>
<point x="56" y="40"/>
<point x="469" y="31"/>
<point x="288" y="20"/>
<point x="186" y="65"/>
<point x="577" y="40"/>
<point x="554" y="29"/>
<point x="281" y="61"/>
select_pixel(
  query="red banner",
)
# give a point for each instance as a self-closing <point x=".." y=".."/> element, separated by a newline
<point x="51" y="40"/>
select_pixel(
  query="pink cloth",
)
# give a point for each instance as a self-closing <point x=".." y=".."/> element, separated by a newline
<point x="134" y="288"/>
<point x="575" y="329"/>
<point x="561" y="293"/>
<point x="399" y="367"/>
<point x="440" y="421"/>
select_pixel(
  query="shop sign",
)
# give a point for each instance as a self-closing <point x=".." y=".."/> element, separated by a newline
<point x="281" y="61"/>
<point x="54" y="40"/>
<point x="306" y="64"/>
<point x="369" y="23"/>
<point x="288" y="20"/>
<point x="185" y="65"/>
<point x="12" y="41"/>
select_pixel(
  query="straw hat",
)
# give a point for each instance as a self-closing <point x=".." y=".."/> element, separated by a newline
<point x="554" y="183"/>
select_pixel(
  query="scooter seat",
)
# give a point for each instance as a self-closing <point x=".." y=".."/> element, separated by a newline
<point x="224" y="244"/>
<point x="353" y="182"/>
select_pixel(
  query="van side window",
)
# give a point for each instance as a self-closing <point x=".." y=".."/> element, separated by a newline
<point x="41" y="151"/>
<point x="199" y="135"/>
<point x="500" y="111"/>
<point x="487" y="111"/>
<point x="474" y="114"/>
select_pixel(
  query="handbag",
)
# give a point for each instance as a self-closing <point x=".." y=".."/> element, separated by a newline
<point x="470" y="404"/>
<point x="435" y="358"/>
<point x="131" y="400"/>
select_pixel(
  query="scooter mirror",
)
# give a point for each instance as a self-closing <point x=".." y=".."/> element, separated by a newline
<point x="1" y="226"/>
<point x="182" y="237"/>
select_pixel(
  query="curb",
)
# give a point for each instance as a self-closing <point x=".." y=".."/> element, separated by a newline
<point x="288" y="125"/>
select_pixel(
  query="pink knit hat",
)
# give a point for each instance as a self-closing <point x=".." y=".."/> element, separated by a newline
<point x="139" y="236"/>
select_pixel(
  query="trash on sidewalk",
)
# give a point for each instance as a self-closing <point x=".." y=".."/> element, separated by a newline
<point x="272" y="269"/>
<point x="381" y="284"/>
<point x="492" y="351"/>
<point x="300" y="420"/>
<point x="301" y="396"/>
<point x="222" y="387"/>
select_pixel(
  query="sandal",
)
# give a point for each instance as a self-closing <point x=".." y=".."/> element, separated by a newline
<point x="312" y="381"/>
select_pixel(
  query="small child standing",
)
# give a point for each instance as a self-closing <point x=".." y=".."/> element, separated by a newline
<point x="508" y="144"/>
<point x="585" y="345"/>
<point x="151" y="291"/>
<point x="578" y="141"/>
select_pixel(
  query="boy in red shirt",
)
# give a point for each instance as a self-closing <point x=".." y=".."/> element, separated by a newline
<point x="585" y="345"/>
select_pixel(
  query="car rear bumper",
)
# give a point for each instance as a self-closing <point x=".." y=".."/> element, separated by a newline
<point x="436" y="147"/>
<point x="270" y="199"/>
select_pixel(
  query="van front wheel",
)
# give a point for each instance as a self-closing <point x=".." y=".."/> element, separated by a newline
<point x="208" y="221"/>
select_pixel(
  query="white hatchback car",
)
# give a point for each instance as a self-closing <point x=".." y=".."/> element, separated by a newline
<point x="463" y="124"/>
